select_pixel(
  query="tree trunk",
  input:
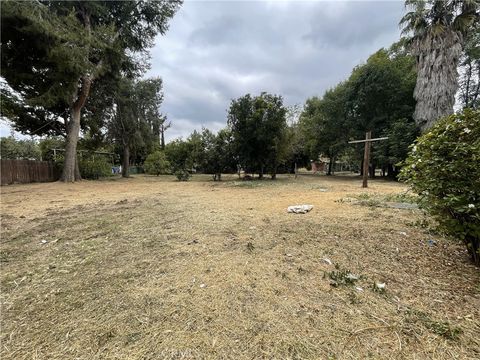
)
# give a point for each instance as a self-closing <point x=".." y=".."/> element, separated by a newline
<point x="73" y="129"/>
<point x="330" y="165"/>
<point x="366" y="159"/>
<point x="473" y="246"/>
<point x="162" y="139"/>
<point x="274" y="170"/>
<point x="71" y="170"/>
<point x="70" y="161"/>
<point x="260" y="174"/>
<point x="126" y="161"/>
<point x="437" y="61"/>
<point x="78" y="175"/>
<point x="392" y="174"/>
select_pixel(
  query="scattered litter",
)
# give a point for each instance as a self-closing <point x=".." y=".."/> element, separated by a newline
<point x="358" y="288"/>
<point x="289" y="255"/>
<point x="403" y="233"/>
<point x="352" y="277"/>
<point x="379" y="286"/>
<point x="323" y="190"/>
<point x="252" y="227"/>
<point x="44" y="241"/>
<point x="202" y="285"/>
<point x="431" y="242"/>
<point x="327" y="261"/>
<point x="299" y="209"/>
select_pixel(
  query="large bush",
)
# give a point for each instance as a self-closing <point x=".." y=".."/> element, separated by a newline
<point x="443" y="167"/>
<point x="157" y="163"/>
<point x="95" y="168"/>
<point x="182" y="175"/>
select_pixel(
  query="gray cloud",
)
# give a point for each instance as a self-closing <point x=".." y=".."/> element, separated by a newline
<point x="216" y="51"/>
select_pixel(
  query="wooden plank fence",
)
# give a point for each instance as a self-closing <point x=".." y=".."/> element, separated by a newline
<point x="27" y="171"/>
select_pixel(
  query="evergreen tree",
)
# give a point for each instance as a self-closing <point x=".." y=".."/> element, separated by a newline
<point x="54" y="51"/>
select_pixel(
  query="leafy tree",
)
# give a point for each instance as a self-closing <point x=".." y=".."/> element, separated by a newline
<point x="123" y="126"/>
<point x="442" y="168"/>
<point x="134" y="120"/>
<point x="379" y="95"/>
<point x="323" y="123"/>
<point x="178" y="154"/>
<point x="219" y="156"/>
<point x="182" y="175"/>
<point x="258" y="127"/>
<point x="380" y="91"/>
<point x="149" y="97"/>
<point x="11" y="148"/>
<point x="391" y="152"/>
<point x="157" y="163"/>
<point x="54" y="51"/>
<point x="296" y="153"/>
<point x="204" y="152"/>
<point x="437" y="30"/>
<point x="196" y="144"/>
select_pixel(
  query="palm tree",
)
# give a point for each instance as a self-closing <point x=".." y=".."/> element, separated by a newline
<point x="436" y="30"/>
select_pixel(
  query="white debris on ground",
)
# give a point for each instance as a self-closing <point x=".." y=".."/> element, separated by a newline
<point x="327" y="261"/>
<point x="379" y="286"/>
<point x="299" y="209"/>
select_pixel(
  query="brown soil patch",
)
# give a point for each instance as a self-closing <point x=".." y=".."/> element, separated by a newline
<point x="151" y="268"/>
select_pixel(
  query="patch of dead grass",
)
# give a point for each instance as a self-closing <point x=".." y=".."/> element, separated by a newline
<point x="150" y="268"/>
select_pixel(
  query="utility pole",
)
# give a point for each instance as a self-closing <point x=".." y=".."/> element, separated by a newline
<point x="366" y="154"/>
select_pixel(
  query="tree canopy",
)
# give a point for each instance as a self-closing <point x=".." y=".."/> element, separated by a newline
<point x="54" y="51"/>
<point x="258" y="128"/>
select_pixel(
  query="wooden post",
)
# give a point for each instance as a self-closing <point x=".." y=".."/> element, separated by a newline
<point x="296" y="170"/>
<point x="366" y="154"/>
<point x="366" y="158"/>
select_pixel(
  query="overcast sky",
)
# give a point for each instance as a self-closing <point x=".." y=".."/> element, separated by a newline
<point x="218" y="50"/>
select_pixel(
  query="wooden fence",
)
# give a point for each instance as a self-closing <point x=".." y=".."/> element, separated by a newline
<point x="27" y="171"/>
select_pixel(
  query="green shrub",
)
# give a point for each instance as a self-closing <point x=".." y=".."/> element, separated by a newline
<point x="443" y="168"/>
<point x="95" y="168"/>
<point x="157" y="163"/>
<point x="182" y="175"/>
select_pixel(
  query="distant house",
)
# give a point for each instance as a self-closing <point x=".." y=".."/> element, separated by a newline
<point x="320" y="165"/>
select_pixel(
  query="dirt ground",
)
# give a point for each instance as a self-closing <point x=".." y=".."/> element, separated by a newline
<point x="152" y="268"/>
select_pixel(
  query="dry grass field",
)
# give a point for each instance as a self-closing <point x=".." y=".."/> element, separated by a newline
<point x="152" y="268"/>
